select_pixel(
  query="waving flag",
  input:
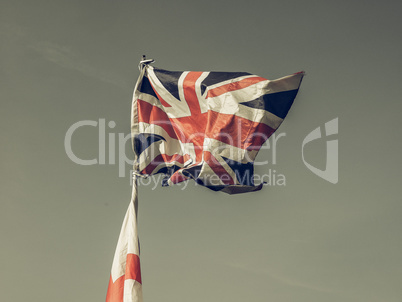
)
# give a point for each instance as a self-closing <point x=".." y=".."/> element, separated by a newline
<point x="206" y="126"/>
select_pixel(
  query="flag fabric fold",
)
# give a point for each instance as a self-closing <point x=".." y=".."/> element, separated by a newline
<point x="206" y="126"/>
<point x="125" y="284"/>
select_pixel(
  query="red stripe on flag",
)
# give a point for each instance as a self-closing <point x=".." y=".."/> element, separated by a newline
<point x="234" y="86"/>
<point x="133" y="268"/>
<point x="164" y="158"/>
<point x="177" y="178"/>
<point x="237" y="131"/>
<point x="190" y="94"/>
<point x="223" y="175"/>
<point x="115" y="290"/>
<point x="261" y="133"/>
<point x="150" y="114"/>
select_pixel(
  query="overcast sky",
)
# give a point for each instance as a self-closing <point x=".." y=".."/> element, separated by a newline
<point x="62" y="62"/>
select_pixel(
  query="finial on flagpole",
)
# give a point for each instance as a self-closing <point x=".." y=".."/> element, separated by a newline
<point x="144" y="62"/>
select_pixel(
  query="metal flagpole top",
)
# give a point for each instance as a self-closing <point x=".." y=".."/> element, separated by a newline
<point x="144" y="62"/>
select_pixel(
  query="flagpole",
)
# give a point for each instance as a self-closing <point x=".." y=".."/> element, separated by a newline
<point x="125" y="283"/>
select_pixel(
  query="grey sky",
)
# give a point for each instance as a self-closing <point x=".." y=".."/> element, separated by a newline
<point x="66" y="61"/>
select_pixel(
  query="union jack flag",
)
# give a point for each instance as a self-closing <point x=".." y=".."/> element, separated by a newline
<point x="206" y="126"/>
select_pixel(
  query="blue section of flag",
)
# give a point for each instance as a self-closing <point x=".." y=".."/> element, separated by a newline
<point x="277" y="103"/>
<point x="143" y="140"/>
<point x="215" y="77"/>
<point x="147" y="88"/>
<point x="169" y="80"/>
<point x="244" y="172"/>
